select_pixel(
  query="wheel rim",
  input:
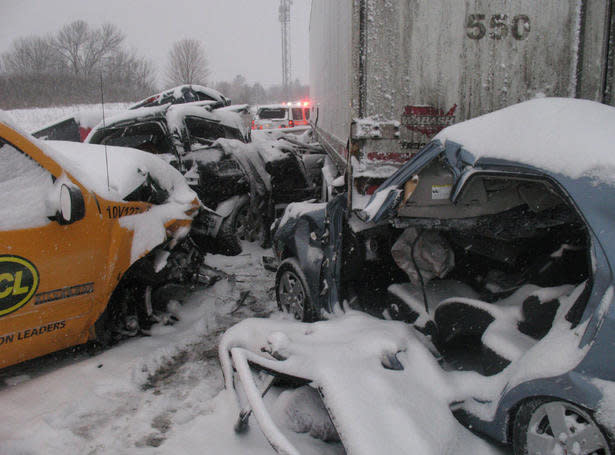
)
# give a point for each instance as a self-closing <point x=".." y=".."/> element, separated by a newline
<point x="292" y="295"/>
<point x="558" y="427"/>
<point x="247" y="227"/>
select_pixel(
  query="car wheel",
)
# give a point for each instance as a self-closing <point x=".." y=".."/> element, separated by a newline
<point x="248" y="226"/>
<point x="227" y="242"/>
<point x="292" y="292"/>
<point x="551" y="426"/>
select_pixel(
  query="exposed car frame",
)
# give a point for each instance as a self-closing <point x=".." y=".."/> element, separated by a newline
<point x="317" y="245"/>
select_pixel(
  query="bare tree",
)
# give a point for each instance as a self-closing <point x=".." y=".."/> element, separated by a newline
<point x="30" y="55"/>
<point x="83" y="49"/>
<point x="127" y="67"/>
<point x="187" y="63"/>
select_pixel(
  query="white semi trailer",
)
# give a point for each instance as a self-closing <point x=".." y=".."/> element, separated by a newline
<point x="386" y="75"/>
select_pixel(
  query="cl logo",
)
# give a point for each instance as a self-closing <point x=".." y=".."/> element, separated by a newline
<point x="18" y="283"/>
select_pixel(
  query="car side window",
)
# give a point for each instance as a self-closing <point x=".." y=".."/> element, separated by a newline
<point x="148" y="137"/>
<point x="204" y="131"/>
<point x="25" y="186"/>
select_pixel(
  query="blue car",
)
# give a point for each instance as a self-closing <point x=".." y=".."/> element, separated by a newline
<point x="497" y="242"/>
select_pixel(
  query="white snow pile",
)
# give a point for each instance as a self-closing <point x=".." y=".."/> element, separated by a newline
<point x="562" y="135"/>
<point x="178" y="93"/>
<point x="375" y="409"/>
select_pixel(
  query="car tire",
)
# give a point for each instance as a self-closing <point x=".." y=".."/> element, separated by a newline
<point x="291" y="291"/>
<point x="227" y="242"/>
<point x="246" y="225"/>
<point x="545" y="425"/>
<point x="103" y="333"/>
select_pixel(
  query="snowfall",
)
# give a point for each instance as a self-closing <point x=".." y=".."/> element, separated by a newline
<point x="166" y="393"/>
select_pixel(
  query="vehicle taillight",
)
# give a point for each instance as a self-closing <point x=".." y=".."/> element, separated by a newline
<point x="371" y="189"/>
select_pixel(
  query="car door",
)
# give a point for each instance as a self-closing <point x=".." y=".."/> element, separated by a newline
<point x="48" y="271"/>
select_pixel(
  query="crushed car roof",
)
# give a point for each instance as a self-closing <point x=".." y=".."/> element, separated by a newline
<point x="565" y="136"/>
<point x="174" y="114"/>
<point x="177" y="93"/>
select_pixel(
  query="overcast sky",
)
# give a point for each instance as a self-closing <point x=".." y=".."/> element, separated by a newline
<point x="240" y="36"/>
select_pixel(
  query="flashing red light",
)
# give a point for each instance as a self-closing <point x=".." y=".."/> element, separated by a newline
<point x="291" y="123"/>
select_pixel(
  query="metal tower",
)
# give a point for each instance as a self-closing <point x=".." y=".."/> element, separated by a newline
<point x="284" y="11"/>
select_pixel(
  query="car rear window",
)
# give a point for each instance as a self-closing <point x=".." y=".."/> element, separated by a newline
<point x="272" y="113"/>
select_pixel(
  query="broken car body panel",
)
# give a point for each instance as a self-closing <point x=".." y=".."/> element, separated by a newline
<point x="58" y="275"/>
<point x="585" y="189"/>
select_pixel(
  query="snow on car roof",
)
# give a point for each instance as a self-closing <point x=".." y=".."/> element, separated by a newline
<point x="560" y="135"/>
<point x="272" y="106"/>
<point x="178" y="92"/>
<point x="175" y="114"/>
<point x="127" y="169"/>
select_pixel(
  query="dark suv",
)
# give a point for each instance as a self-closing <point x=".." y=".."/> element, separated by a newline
<point x="243" y="181"/>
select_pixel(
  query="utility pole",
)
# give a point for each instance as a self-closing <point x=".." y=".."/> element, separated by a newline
<point x="284" y="15"/>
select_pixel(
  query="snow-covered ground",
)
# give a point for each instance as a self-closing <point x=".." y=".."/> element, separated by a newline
<point x="36" y="118"/>
<point x="158" y="394"/>
<point x="162" y="394"/>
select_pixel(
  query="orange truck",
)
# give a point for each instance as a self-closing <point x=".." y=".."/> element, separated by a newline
<point x="70" y="232"/>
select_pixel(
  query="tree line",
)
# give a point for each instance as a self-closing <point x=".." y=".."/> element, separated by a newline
<point x="68" y="67"/>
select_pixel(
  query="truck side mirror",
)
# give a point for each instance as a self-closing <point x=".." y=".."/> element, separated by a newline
<point x="72" y="207"/>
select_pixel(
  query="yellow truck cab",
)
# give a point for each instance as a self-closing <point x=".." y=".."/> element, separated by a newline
<point x="69" y="231"/>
